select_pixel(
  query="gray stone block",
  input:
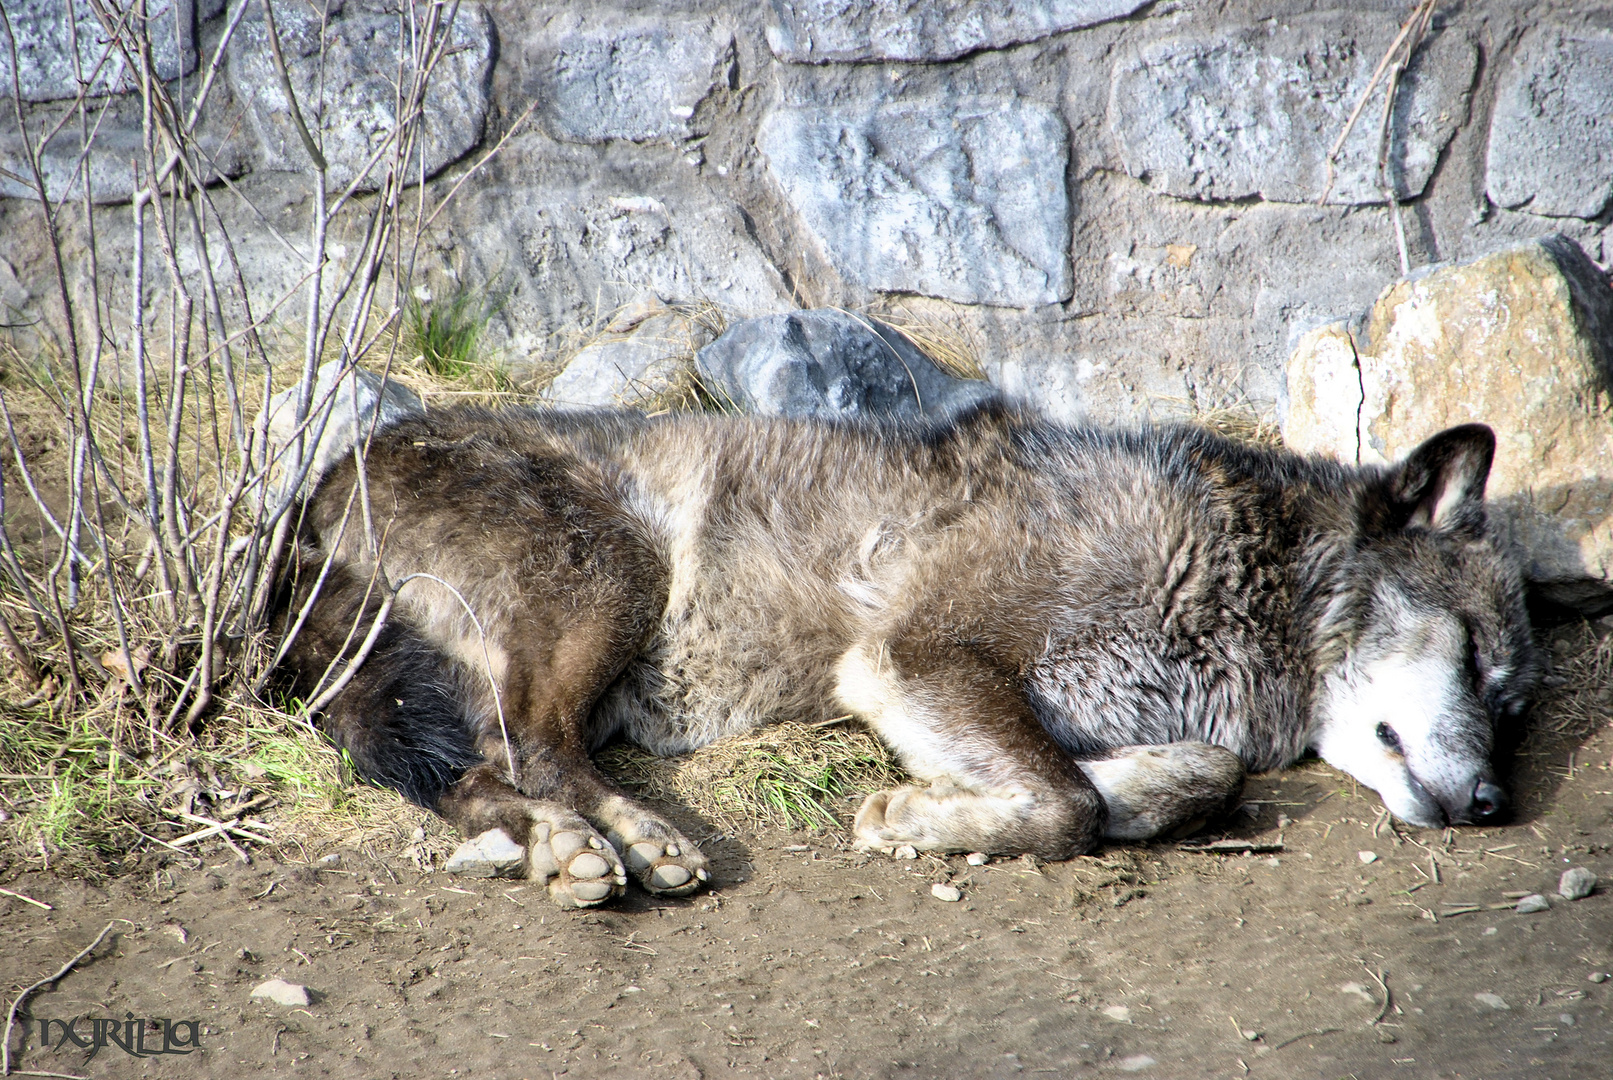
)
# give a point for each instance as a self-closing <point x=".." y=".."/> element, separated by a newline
<point x="573" y="253"/>
<point x="1551" y="136"/>
<point x="829" y="363"/>
<point x="357" y="70"/>
<point x="638" y="82"/>
<point x="44" y="40"/>
<point x="116" y="140"/>
<point x="1255" y="111"/>
<point x="825" y="31"/>
<point x="961" y="199"/>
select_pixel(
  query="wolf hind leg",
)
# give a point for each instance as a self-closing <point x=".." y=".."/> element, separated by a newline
<point x="1169" y="789"/>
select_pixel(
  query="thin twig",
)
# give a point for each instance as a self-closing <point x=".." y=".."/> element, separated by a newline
<point x="28" y="899"/>
<point x="11" y="1017"/>
<point x="1382" y="979"/>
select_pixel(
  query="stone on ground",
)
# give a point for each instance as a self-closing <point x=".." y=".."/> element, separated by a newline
<point x="631" y="370"/>
<point x="830" y="363"/>
<point x="1576" y="883"/>
<point x="282" y="993"/>
<point x="490" y="854"/>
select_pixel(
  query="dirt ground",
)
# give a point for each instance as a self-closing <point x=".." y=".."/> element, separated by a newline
<point x="808" y="960"/>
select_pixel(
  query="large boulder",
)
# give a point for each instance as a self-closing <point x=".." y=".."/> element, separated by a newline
<point x="1522" y="340"/>
<point x="829" y="363"/>
<point x="639" y="362"/>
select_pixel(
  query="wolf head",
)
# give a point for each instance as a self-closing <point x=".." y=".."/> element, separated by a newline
<point x="1426" y="639"/>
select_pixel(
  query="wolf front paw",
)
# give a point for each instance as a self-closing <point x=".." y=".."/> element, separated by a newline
<point x="887" y="822"/>
<point x="660" y="857"/>
<point x="579" y="866"/>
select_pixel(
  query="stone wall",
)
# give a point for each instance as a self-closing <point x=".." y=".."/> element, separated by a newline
<point x="1123" y="201"/>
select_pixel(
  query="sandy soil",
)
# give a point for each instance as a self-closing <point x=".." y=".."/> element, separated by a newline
<point x="808" y="960"/>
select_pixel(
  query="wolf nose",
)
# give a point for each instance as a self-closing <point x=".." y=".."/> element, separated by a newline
<point x="1490" y="802"/>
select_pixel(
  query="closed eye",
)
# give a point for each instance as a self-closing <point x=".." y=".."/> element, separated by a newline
<point x="1387" y="736"/>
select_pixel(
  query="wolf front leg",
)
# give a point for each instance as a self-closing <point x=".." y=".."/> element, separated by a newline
<point x="997" y="780"/>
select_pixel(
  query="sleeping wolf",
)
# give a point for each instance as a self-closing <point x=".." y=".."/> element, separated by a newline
<point x="1064" y="634"/>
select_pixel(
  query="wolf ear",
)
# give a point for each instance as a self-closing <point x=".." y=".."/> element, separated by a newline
<point x="1440" y="485"/>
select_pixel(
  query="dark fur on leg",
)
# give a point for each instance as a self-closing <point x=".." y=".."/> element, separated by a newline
<point x="402" y="718"/>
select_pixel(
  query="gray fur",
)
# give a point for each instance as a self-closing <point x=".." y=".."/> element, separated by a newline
<point x="996" y="596"/>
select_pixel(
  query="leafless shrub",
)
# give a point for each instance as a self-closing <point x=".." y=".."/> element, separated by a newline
<point x="128" y="413"/>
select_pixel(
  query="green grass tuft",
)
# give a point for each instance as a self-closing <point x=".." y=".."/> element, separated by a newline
<point x="446" y="334"/>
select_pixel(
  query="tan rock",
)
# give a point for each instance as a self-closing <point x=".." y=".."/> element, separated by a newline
<point x="1522" y="340"/>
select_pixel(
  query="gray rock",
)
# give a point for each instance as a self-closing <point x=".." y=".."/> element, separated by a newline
<point x="1531" y="904"/>
<point x="625" y="370"/>
<point x="824" y="31"/>
<point x="830" y="363"/>
<point x="45" y="48"/>
<point x="491" y="854"/>
<point x="949" y="894"/>
<point x="357" y="70"/>
<point x="1576" y="883"/>
<point x="116" y="140"/>
<point x="1255" y="111"/>
<point x="570" y="254"/>
<point x="282" y="993"/>
<point x="1551" y="136"/>
<point x="358" y="397"/>
<point x="962" y="199"/>
<point x="638" y="82"/>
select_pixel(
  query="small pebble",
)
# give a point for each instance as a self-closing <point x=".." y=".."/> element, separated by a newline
<point x="906" y="851"/>
<point x="1250" y="1035"/>
<point x="1597" y="977"/>
<point x="282" y="993"/>
<point x="1576" y="883"/>
<point x="1532" y="903"/>
<point x="949" y="893"/>
<point x="1494" y="1001"/>
<point x="330" y="860"/>
<point x="977" y="858"/>
<point x="1367" y="856"/>
<point x="1283" y="821"/>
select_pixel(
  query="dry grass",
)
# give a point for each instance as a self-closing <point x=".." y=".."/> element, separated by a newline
<point x="1578" y="695"/>
<point x="791" y="775"/>
<point x="940" y="331"/>
<point x="1241" y="424"/>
